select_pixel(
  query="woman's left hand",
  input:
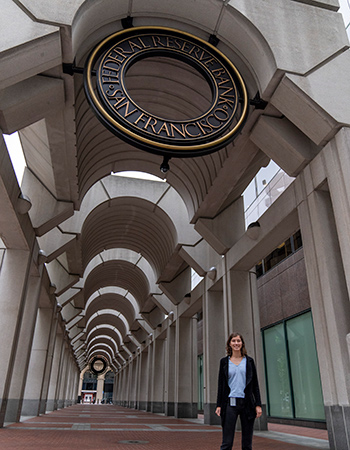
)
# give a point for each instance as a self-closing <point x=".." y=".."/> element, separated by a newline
<point x="258" y="411"/>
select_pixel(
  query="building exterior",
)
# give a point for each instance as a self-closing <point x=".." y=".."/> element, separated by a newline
<point x="95" y="268"/>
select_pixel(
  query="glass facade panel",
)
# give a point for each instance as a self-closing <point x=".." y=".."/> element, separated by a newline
<point x="288" y="246"/>
<point x="277" y="373"/>
<point x="89" y="381"/>
<point x="279" y="254"/>
<point x="297" y="240"/>
<point x="307" y="390"/>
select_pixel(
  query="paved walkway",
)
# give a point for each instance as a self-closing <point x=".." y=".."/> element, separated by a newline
<point x="103" y="427"/>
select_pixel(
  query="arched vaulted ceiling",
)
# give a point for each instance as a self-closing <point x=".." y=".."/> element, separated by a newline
<point x="118" y="250"/>
<point x="119" y="223"/>
<point x="123" y="274"/>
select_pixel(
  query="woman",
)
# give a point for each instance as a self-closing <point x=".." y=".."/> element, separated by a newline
<point x="238" y="393"/>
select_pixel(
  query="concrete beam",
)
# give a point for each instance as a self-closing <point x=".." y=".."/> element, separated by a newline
<point x="54" y="243"/>
<point x="29" y="101"/>
<point x="34" y="46"/>
<point x="292" y="101"/>
<point x="178" y="288"/>
<point x="200" y="257"/>
<point x="225" y="229"/>
<point x="60" y="277"/>
<point x="163" y="302"/>
<point x="16" y="230"/>
<point x="284" y="143"/>
<point x="278" y="223"/>
<point x="46" y="212"/>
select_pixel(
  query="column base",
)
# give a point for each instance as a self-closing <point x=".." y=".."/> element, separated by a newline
<point x="338" y="424"/>
<point x="169" y="409"/>
<point x="50" y="405"/>
<point x="210" y="418"/>
<point x="13" y="410"/>
<point x="30" y="407"/>
<point x="42" y="407"/>
<point x="186" y="410"/>
<point x="142" y="406"/>
<point x="157" y="407"/>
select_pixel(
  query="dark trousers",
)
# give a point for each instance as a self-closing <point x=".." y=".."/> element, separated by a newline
<point x="228" y="431"/>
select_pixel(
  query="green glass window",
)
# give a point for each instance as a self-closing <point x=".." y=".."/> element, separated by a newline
<point x="277" y="375"/>
<point x="308" y="399"/>
<point x="292" y="373"/>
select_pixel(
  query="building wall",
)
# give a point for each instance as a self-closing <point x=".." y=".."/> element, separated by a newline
<point x="283" y="290"/>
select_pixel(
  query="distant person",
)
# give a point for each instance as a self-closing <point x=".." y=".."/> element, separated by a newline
<point x="238" y="393"/>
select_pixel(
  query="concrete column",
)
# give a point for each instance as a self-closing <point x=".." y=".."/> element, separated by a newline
<point x="336" y="158"/>
<point x="72" y="386"/>
<point x="143" y="383"/>
<point x="169" y="387"/>
<point x="124" y="387"/>
<point x="23" y="339"/>
<point x="213" y="350"/>
<point x="13" y="284"/>
<point x="68" y="381"/>
<point x="150" y="374"/>
<point x="186" y="401"/>
<point x="118" y="382"/>
<point x="76" y="384"/>
<point x="127" y="375"/>
<point x="118" y="390"/>
<point x="138" y="380"/>
<point x="134" y="383"/>
<point x="243" y="311"/>
<point x="80" y="386"/>
<point x="62" y="377"/>
<point x="129" y="378"/>
<point x="49" y="362"/>
<point x="115" y="387"/>
<point x="37" y="363"/>
<point x="52" y="399"/>
<point x="158" y="380"/>
<point x="100" y="386"/>
<point x="330" y="304"/>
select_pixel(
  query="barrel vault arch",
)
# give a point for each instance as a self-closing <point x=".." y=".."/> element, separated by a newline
<point x="301" y="123"/>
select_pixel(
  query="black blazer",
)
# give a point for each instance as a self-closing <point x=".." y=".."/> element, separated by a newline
<point x="252" y="392"/>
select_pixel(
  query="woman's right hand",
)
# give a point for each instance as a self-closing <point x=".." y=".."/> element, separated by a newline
<point x="218" y="411"/>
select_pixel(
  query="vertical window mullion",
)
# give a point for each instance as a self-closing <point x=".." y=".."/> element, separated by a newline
<point x="266" y="375"/>
<point x="289" y="368"/>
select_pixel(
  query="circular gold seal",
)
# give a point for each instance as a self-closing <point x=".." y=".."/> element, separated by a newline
<point x="104" y="83"/>
<point x="98" y="365"/>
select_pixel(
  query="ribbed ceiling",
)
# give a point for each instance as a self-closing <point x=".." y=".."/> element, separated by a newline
<point x="121" y="222"/>
<point x="112" y="301"/>
<point x="118" y="273"/>
<point x="170" y="89"/>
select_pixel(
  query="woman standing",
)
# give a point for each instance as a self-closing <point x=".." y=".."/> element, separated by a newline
<point x="238" y="393"/>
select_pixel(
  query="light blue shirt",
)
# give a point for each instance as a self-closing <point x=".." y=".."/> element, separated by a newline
<point x="237" y="378"/>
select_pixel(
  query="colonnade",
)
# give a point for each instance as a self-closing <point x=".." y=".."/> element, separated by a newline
<point x="162" y="376"/>
<point x="38" y="373"/>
